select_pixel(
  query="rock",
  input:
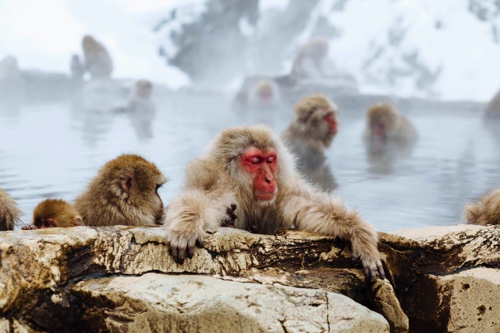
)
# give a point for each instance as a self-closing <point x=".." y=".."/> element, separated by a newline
<point x="190" y="303"/>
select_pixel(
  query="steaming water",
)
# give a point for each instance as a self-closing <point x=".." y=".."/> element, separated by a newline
<point x="52" y="149"/>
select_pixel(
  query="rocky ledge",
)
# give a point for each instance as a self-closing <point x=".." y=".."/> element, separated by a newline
<point x="123" y="279"/>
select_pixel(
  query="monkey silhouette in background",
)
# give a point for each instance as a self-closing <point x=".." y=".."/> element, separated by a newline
<point x="250" y="168"/>
<point x="97" y="59"/>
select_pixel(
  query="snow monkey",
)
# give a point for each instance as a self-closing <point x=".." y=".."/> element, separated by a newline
<point x="52" y="213"/>
<point x="309" y="63"/>
<point x="264" y="94"/>
<point x="486" y="211"/>
<point x="125" y="191"/>
<point x="97" y="59"/>
<point x="249" y="167"/>
<point x="385" y="122"/>
<point x="9" y="212"/>
<point x="140" y="97"/>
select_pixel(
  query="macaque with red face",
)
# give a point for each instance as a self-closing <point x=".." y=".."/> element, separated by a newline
<point x="53" y="213"/>
<point x="124" y="192"/>
<point x="9" y="212"/>
<point x="249" y="167"/>
<point x="97" y="59"/>
<point x="486" y="211"/>
<point x="310" y="62"/>
<point x="310" y="134"/>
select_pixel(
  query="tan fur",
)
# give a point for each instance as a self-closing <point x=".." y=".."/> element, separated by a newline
<point x="217" y="180"/>
<point x="486" y="211"/>
<point x="62" y="212"/>
<point x="264" y="86"/>
<point x="97" y="59"/>
<point x="309" y="61"/>
<point x="106" y="202"/>
<point x="397" y="126"/>
<point x="492" y="110"/>
<point x="9" y="212"/>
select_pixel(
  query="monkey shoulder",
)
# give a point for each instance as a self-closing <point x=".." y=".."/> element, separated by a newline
<point x="206" y="175"/>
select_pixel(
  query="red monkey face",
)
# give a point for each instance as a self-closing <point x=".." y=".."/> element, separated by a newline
<point x="332" y="123"/>
<point x="261" y="166"/>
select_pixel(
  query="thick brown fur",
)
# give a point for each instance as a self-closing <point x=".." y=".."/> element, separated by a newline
<point x="217" y="180"/>
<point x="123" y="192"/>
<point x="397" y="126"/>
<point x="61" y="214"/>
<point x="309" y="61"/>
<point x="97" y="59"/>
<point x="9" y="212"/>
<point x="486" y="211"/>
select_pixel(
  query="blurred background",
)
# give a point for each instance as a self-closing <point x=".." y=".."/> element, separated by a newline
<point x="437" y="61"/>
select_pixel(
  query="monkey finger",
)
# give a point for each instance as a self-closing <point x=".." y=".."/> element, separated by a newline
<point x="190" y="247"/>
<point x="200" y="242"/>
<point x="381" y="271"/>
<point x="233" y="207"/>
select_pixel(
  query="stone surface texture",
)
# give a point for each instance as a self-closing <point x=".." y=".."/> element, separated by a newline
<point x="118" y="279"/>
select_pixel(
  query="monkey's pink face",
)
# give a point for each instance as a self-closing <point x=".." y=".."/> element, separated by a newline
<point x="333" y="126"/>
<point x="261" y="165"/>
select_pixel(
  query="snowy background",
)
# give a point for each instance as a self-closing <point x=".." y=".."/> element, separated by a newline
<point x="447" y="49"/>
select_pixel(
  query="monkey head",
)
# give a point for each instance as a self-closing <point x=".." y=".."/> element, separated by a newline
<point x="382" y="120"/>
<point x="53" y="213"/>
<point x="317" y="117"/>
<point x="317" y="48"/>
<point x="261" y="166"/>
<point x="143" y="89"/>
<point x="265" y="90"/>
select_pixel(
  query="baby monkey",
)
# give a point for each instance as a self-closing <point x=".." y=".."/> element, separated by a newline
<point x="53" y="213"/>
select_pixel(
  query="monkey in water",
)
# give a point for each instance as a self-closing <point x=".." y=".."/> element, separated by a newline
<point x="486" y="211"/>
<point x="52" y="213"/>
<point x="251" y="168"/>
<point x="141" y="110"/>
<point x="310" y="134"/>
<point x="9" y="212"/>
<point x="97" y="59"/>
<point x="310" y="61"/>
<point x="124" y="192"/>
<point x="388" y="135"/>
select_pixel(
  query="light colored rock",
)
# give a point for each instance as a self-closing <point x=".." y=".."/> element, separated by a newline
<point x="190" y="303"/>
<point x="474" y="298"/>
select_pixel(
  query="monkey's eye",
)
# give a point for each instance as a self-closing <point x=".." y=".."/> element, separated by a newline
<point x="271" y="159"/>
<point x="255" y="160"/>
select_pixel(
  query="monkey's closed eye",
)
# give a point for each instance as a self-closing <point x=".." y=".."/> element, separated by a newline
<point x="255" y="160"/>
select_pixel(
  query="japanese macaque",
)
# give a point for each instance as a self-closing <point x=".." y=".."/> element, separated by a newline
<point x="492" y="110"/>
<point x="250" y="167"/>
<point x="310" y="61"/>
<point x="388" y="136"/>
<point x="97" y="59"/>
<point x="9" y="70"/>
<point x="124" y="192"/>
<point x="141" y="109"/>
<point x="264" y="94"/>
<point x="53" y="213"/>
<point x="486" y="211"/>
<point x="9" y="212"/>
<point x="310" y="134"/>
<point x="77" y="68"/>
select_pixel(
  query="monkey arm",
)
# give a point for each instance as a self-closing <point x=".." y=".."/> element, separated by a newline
<point x="202" y="205"/>
<point x="320" y="213"/>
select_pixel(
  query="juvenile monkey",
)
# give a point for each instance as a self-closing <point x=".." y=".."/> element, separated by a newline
<point x="251" y="168"/>
<point x="77" y="68"/>
<point x="310" y="61"/>
<point x="388" y="135"/>
<point x="486" y="211"/>
<point x="52" y="213"/>
<point x="9" y="212"/>
<point x="97" y="59"/>
<point x="125" y="191"/>
<point x="264" y="94"/>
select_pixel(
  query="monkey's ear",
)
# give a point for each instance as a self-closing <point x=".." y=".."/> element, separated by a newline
<point x="127" y="181"/>
<point x="77" y="221"/>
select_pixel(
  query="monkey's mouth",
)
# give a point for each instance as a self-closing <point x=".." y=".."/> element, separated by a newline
<point x="264" y="196"/>
<point x="332" y="124"/>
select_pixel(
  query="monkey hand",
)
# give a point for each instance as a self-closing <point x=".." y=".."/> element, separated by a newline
<point x="29" y="227"/>
<point x="231" y="217"/>
<point x="183" y="239"/>
<point x="371" y="266"/>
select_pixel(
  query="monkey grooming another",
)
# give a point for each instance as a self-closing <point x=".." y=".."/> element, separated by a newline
<point x="251" y="168"/>
<point x="486" y="211"/>
<point x="53" y="213"/>
<point x="9" y="212"/>
<point x="124" y="192"/>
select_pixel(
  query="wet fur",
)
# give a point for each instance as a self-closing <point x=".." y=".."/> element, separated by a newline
<point x="486" y="211"/>
<point x="61" y="211"/>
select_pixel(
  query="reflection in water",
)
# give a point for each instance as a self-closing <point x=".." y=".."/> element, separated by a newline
<point x="54" y="149"/>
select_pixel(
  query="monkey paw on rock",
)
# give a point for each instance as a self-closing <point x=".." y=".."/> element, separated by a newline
<point x="371" y="266"/>
<point x="182" y="244"/>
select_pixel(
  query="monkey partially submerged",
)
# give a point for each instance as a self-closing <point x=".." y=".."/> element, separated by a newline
<point x="251" y="168"/>
<point x="52" y="213"/>
<point x="125" y="191"/>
